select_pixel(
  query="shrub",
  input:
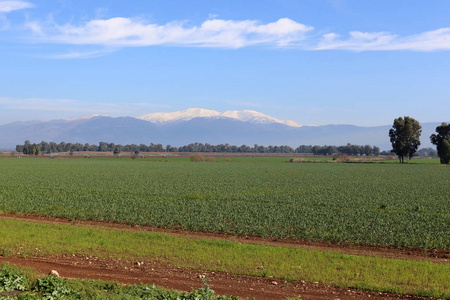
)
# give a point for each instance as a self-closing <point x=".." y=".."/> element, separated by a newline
<point x="296" y="160"/>
<point x="341" y="157"/>
<point x="210" y="159"/>
<point x="197" y="157"/>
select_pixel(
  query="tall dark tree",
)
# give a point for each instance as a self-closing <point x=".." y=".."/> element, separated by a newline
<point x="117" y="149"/>
<point x="405" y="137"/>
<point x="442" y="142"/>
<point x="102" y="146"/>
<point x="31" y="149"/>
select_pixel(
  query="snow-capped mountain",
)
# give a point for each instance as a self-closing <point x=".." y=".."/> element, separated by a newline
<point x="250" y="116"/>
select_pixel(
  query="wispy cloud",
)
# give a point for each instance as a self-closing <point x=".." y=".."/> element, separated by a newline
<point x="436" y="40"/>
<point x="40" y="104"/>
<point x="4" y="23"/>
<point x="75" y="106"/>
<point x="126" y="32"/>
<point x="12" y="5"/>
<point x="80" y="54"/>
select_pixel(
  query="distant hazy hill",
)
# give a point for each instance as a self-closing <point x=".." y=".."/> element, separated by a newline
<point x="197" y="125"/>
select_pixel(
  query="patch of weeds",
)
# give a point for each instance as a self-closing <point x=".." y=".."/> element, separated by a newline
<point x="6" y="252"/>
<point x="265" y="273"/>
<point x="53" y="287"/>
<point x="12" y="279"/>
<point x="22" y="284"/>
<point x="206" y="293"/>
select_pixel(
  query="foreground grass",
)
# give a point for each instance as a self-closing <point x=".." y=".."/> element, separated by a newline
<point x="26" y="284"/>
<point x="331" y="268"/>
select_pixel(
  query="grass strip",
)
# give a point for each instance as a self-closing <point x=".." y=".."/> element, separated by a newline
<point x="379" y="274"/>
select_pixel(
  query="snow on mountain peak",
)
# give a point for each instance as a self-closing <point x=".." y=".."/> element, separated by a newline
<point x="256" y="117"/>
<point x="250" y="116"/>
<point x="185" y="115"/>
<point x="85" y="117"/>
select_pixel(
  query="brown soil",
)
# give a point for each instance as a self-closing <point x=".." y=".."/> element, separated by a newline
<point x="435" y="255"/>
<point x="185" y="279"/>
<point x="71" y="266"/>
<point x="95" y="154"/>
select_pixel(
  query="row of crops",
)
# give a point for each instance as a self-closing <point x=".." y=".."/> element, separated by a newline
<point x="401" y="205"/>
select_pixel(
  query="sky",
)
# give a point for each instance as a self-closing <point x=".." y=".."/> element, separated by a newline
<point x="311" y="61"/>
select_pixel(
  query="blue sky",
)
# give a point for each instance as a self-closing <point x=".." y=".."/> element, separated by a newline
<point x="311" y="61"/>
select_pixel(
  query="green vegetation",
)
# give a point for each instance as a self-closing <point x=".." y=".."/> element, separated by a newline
<point x="442" y="142"/>
<point x="287" y="263"/>
<point x="405" y="137"/>
<point x="26" y="284"/>
<point x="381" y="204"/>
<point x="13" y="279"/>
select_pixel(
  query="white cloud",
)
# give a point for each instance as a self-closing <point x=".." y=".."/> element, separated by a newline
<point x="126" y="32"/>
<point x="12" y="5"/>
<point x="121" y="32"/>
<point x="35" y="27"/>
<point x="437" y="40"/>
<point x="428" y="41"/>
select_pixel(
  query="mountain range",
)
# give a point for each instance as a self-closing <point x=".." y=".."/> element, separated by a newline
<point x="197" y="125"/>
<point x="249" y="116"/>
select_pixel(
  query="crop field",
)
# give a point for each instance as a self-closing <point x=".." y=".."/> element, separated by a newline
<point x="379" y="204"/>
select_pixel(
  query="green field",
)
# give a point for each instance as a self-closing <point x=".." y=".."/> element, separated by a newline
<point x="381" y="204"/>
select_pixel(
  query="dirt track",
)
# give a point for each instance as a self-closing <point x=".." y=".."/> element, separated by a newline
<point x="185" y="279"/>
<point x="223" y="283"/>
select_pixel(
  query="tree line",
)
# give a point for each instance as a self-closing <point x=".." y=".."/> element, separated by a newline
<point x="348" y="149"/>
<point x="404" y="136"/>
<point x="52" y="147"/>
